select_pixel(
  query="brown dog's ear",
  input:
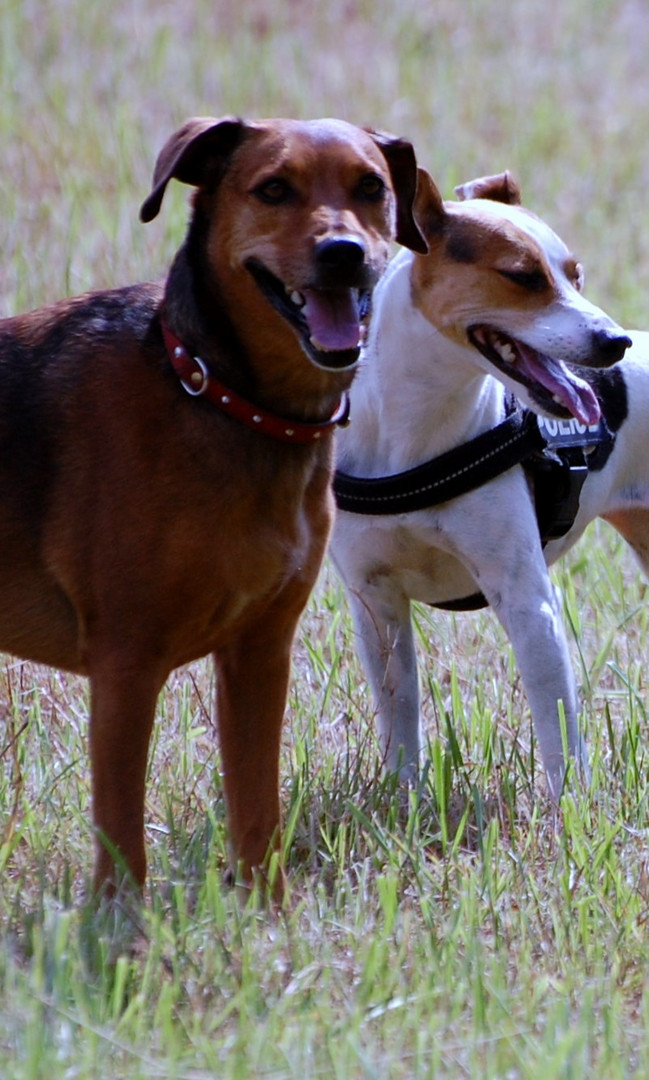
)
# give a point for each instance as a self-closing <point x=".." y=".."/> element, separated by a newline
<point x="402" y="164"/>
<point x="193" y="155"/>
<point x="428" y="207"/>
<point x="501" y="188"/>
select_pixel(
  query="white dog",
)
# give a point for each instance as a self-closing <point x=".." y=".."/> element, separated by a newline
<point x="495" y="307"/>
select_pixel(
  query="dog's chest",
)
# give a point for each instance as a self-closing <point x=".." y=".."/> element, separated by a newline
<point x="416" y="561"/>
<point x="262" y="554"/>
<point x="435" y="578"/>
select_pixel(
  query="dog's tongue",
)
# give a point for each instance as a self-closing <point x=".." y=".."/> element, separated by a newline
<point x="574" y="393"/>
<point x="333" y="318"/>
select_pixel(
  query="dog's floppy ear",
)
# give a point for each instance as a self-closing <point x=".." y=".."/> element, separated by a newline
<point x="402" y="164"/>
<point x="501" y="188"/>
<point x="193" y="154"/>
<point x="428" y="207"/>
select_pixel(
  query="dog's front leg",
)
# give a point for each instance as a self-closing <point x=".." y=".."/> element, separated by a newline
<point x="497" y="538"/>
<point x="252" y="680"/>
<point x="123" y="701"/>
<point x="385" y="641"/>
<point x="535" y="628"/>
<point x="527" y="605"/>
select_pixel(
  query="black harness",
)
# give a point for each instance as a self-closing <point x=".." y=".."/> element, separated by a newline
<point x="558" y="473"/>
<point x="556" y="455"/>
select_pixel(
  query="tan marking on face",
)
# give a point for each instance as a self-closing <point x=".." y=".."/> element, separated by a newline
<point x="325" y="167"/>
<point x="482" y="265"/>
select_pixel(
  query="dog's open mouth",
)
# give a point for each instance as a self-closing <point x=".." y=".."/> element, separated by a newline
<point x="330" y="323"/>
<point x="552" y="385"/>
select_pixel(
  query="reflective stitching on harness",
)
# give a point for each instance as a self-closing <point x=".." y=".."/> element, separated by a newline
<point x="448" y="476"/>
<point x="443" y="480"/>
<point x="517" y="440"/>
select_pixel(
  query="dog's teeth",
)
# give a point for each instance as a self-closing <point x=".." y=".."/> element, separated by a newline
<point x="297" y="298"/>
<point x="507" y="353"/>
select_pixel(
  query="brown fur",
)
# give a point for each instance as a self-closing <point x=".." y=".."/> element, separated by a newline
<point x="141" y="528"/>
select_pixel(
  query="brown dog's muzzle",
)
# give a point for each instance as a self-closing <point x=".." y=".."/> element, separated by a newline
<point x="330" y="312"/>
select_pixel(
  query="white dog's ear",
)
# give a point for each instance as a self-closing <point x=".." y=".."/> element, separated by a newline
<point x="501" y="188"/>
<point x="428" y="207"/>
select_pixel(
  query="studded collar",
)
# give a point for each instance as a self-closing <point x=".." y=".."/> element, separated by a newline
<point x="198" y="381"/>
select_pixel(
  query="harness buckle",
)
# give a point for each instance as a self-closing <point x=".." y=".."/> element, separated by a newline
<point x="557" y="479"/>
<point x="567" y="508"/>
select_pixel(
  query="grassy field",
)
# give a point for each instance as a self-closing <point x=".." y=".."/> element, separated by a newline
<point x="453" y="933"/>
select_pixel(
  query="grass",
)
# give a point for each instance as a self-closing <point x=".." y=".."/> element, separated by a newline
<point x="455" y="931"/>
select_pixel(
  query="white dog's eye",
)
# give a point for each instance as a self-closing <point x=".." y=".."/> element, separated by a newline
<point x="574" y="271"/>
<point x="531" y="280"/>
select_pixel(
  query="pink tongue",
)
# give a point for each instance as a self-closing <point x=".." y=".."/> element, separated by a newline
<point x="575" y="394"/>
<point x="333" y="318"/>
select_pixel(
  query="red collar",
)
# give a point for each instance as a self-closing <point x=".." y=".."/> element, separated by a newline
<point x="198" y="382"/>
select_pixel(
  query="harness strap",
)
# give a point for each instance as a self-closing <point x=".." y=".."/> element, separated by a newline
<point x="557" y="468"/>
<point x="451" y="474"/>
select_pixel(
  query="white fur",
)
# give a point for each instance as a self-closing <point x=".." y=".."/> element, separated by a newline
<point x="416" y="395"/>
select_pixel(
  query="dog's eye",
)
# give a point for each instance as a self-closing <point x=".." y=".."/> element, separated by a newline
<point x="371" y="187"/>
<point x="274" y="191"/>
<point x="532" y="280"/>
<point x="578" y="277"/>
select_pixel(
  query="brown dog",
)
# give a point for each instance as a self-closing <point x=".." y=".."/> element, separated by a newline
<point x="165" y="453"/>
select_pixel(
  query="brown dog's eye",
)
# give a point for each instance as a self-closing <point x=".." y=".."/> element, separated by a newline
<point x="274" y="191"/>
<point x="371" y="187"/>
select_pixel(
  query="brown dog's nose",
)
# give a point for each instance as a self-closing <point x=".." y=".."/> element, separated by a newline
<point x="610" y="346"/>
<point x="340" y="254"/>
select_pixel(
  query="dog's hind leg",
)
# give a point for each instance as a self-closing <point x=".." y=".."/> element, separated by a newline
<point x="386" y="645"/>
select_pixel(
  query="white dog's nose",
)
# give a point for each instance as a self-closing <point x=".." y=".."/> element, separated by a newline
<point x="609" y="346"/>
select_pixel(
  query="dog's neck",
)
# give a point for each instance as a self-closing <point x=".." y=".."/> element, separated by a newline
<point x="276" y="381"/>
<point x="439" y="399"/>
<point x="200" y="319"/>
